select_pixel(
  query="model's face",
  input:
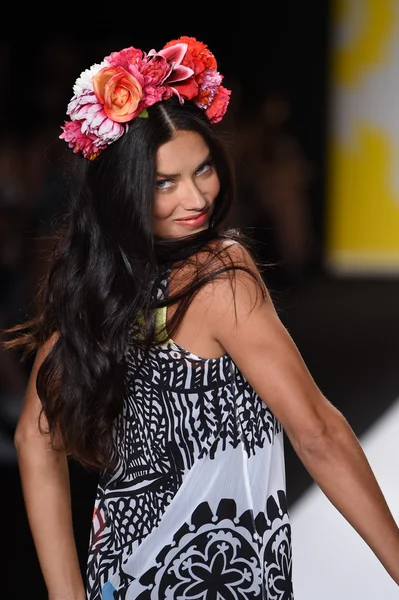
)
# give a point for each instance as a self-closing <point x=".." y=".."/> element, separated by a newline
<point x="186" y="188"/>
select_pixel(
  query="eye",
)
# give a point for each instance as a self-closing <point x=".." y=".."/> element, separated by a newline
<point x="164" y="184"/>
<point x="205" y="168"/>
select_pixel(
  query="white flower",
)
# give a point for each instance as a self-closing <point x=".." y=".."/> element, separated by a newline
<point x="85" y="80"/>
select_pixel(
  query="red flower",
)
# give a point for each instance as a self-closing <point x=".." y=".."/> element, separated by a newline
<point x="198" y="58"/>
<point x="217" y="109"/>
<point x="197" y="51"/>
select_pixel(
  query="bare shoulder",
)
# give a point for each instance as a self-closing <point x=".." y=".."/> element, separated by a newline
<point x="232" y="248"/>
<point x="234" y="287"/>
<point x="219" y="262"/>
<point x="237" y="274"/>
<point x="228" y="287"/>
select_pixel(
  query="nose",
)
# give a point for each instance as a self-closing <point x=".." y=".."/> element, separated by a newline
<point x="192" y="197"/>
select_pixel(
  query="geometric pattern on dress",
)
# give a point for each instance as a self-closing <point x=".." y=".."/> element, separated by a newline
<point x="217" y="556"/>
<point x="178" y="408"/>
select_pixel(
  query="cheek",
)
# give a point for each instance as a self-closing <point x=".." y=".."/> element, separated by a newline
<point x="215" y="187"/>
<point x="162" y="208"/>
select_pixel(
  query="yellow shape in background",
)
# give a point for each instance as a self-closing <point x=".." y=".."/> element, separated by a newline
<point x="363" y="214"/>
<point x="371" y="44"/>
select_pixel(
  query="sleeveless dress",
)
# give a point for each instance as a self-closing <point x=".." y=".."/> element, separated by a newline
<point x="196" y="505"/>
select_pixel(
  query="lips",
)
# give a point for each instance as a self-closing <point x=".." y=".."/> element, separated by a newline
<point x="193" y="217"/>
<point x="195" y="221"/>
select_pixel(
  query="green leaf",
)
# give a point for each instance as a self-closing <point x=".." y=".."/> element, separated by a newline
<point x="144" y="114"/>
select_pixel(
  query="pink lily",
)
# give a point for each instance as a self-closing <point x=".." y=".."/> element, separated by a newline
<point x="174" y="55"/>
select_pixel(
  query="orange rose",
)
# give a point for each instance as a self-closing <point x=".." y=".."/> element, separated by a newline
<point x="119" y="92"/>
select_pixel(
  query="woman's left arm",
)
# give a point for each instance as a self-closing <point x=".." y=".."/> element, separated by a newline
<point x="250" y="330"/>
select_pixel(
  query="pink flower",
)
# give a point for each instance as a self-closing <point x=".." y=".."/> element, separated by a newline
<point x="91" y="114"/>
<point x="197" y="58"/>
<point x="155" y="70"/>
<point x="119" y="92"/>
<point x="154" y="73"/>
<point x="109" y="95"/>
<point x="153" y="94"/>
<point x="216" y="111"/>
<point x="96" y="122"/>
<point x="88" y="144"/>
<point x="208" y="88"/>
<point x="79" y="102"/>
<point x="174" y="55"/>
<point x="179" y="75"/>
<point x="125" y="58"/>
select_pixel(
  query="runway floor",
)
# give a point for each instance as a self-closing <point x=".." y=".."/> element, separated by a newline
<point x="330" y="560"/>
<point x="348" y="333"/>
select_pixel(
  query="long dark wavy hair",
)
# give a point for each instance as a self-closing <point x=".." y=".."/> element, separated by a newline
<point x="103" y="274"/>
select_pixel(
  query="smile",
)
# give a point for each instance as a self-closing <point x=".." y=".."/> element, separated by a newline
<point x="194" y="221"/>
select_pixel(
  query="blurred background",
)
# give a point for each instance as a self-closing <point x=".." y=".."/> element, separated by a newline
<point x="313" y="127"/>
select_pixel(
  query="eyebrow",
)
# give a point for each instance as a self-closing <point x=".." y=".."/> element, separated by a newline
<point x="174" y="175"/>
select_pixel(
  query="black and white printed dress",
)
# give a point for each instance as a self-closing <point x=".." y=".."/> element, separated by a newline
<point x="196" y="506"/>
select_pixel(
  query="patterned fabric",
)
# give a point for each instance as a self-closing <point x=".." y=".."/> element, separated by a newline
<point x="196" y="506"/>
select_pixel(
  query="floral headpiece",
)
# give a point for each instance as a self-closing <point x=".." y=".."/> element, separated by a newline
<point x="111" y="94"/>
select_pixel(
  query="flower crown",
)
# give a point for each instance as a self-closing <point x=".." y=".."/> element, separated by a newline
<point x="111" y="94"/>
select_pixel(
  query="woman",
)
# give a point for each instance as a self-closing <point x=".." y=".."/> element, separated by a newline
<point x="162" y="363"/>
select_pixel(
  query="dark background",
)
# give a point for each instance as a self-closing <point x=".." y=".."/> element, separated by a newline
<point x="346" y="329"/>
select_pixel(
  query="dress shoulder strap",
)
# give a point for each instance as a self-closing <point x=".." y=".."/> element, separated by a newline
<point x="161" y="311"/>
